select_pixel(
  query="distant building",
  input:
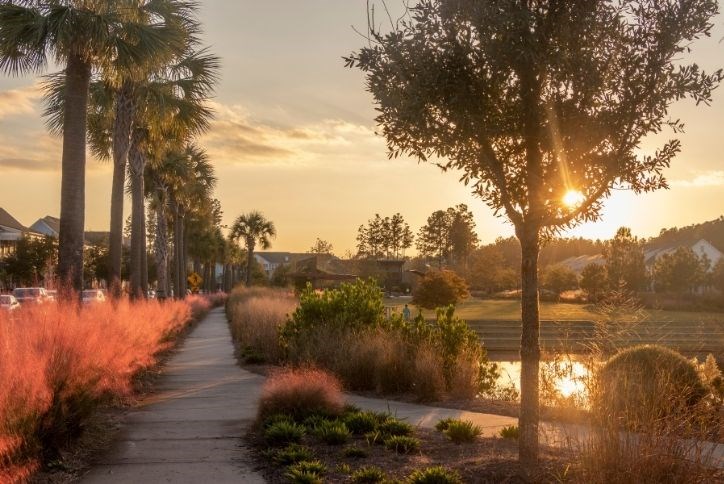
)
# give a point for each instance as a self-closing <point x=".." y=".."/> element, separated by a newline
<point x="702" y="248"/>
<point x="11" y="232"/>
<point x="271" y="261"/>
<point x="577" y="264"/>
<point x="47" y="225"/>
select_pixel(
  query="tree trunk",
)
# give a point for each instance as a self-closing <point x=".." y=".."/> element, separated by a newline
<point x="125" y="108"/>
<point x="249" y="261"/>
<point x="137" y="164"/>
<point x="72" y="185"/>
<point x="529" y="350"/>
<point x="176" y="250"/>
<point x="184" y="255"/>
<point x="161" y="245"/>
<point x="144" y="247"/>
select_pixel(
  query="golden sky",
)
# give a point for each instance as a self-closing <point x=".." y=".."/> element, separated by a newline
<point x="294" y="138"/>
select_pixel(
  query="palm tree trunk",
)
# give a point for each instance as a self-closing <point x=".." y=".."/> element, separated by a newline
<point x="72" y="185"/>
<point x="161" y="244"/>
<point x="125" y="108"/>
<point x="184" y="254"/>
<point x="529" y="349"/>
<point x="249" y="261"/>
<point x="176" y="250"/>
<point x="144" y="248"/>
<point x="138" y="229"/>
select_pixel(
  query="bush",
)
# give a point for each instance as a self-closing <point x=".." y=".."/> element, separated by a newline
<point x="460" y="431"/>
<point x="434" y="475"/>
<point x="440" y="289"/>
<point x="256" y="315"/>
<point x="292" y="454"/>
<point x="300" y="394"/>
<point x="332" y="433"/>
<point x="510" y="432"/>
<point x="360" y="422"/>
<point x="354" y="452"/>
<point x="306" y="472"/>
<point x="282" y="433"/>
<point x="402" y="444"/>
<point x="643" y="384"/>
<point x="392" y="426"/>
<point x="370" y="474"/>
<point x="443" y="424"/>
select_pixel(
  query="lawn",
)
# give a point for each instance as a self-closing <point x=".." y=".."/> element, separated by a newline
<point x="509" y="309"/>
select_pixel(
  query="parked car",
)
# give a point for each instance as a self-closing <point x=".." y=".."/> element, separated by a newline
<point x="52" y="294"/>
<point x="8" y="302"/>
<point x="36" y="295"/>
<point x="93" y="296"/>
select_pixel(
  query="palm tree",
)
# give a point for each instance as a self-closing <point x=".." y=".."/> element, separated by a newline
<point x="82" y="36"/>
<point x="253" y="228"/>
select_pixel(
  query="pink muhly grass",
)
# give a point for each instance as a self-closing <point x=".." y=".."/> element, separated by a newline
<point x="300" y="393"/>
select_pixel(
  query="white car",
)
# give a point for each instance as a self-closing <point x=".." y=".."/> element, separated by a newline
<point x="31" y="295"/>
<point x="93" y="296"/>
<point x="8" y="302"/>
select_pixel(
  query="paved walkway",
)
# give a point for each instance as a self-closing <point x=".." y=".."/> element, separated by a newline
<point x="190" y="430"/>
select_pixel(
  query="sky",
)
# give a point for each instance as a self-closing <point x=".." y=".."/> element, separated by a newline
<point x="294" y="137"/>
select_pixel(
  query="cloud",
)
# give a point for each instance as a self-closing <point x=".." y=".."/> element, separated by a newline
<point x="26" y="164"/>
<point x="22" y="101"/>
<point x="236" y="138"/>
<point x="713" y="178"/>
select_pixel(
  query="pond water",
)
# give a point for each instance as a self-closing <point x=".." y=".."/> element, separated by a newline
<point x="567" y="377"/>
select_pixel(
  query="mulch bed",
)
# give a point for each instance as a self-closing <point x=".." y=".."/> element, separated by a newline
<point x="490" y="460"/>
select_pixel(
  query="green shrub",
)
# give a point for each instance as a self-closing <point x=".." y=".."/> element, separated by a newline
<point x="354" y="452"/>
<point x="370" y="474"/>
<point x="276" y="418"/>
<point x="393" y="426"/>
<point x="460" y="431"/>
<point x="313" y="421"/>
<point x="361" y="422"/>
<point x="306" y="472"/>
<point x="402" y="444"/>
<point x="292" y="454"/>
<point x="510" y="432"/>
<point x="442" y="425"/>
<point x="332" y="432"/>
<point x="283" y="432"/>
<point x="642" y="385"/>
<point x="439" y="289"/>
<point x="343" y="468"/>
<point x="434" y="475"/>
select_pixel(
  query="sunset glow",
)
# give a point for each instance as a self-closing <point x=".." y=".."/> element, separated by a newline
<point x="573" y="198"/>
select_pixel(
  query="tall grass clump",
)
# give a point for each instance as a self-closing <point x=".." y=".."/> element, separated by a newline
<point x="345" y="330"/>
<point x="650" y="417"/>
<point x="300" y="394"/>
<point x="58" y="362"/>
<point x="256" y="315"/>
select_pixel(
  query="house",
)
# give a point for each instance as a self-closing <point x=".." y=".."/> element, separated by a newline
<point x="11" y="232"/>
<point x="702" y="248"/>
<point x="47" y="225"/>
<point x="271" y="261"/>
<point x="578" y="263"/>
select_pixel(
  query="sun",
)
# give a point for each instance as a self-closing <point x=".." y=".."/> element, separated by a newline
<point x="573" y="198"/>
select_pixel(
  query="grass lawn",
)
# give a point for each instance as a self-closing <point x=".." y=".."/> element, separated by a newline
<point x="509" y="309"/>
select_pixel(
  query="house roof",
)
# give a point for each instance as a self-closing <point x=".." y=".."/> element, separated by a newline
<point x="577" y="264"/>
<point x="53" y="223"/>
<point x="281" y="257"/>
<point x="7" y="220"/>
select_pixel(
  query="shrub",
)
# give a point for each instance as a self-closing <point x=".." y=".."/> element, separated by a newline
<point x="66" y="360"/>
<point x="443" y="424"/>
<point x="354" y="452"/>
<point x="292" y="454"/>
<point x="306" y="472"/>
<point x="332" y="432"/>
<point x="369" y="474"/>
<point x="643" y="384"/>
<point x="510" y="432"/>
<point x="440" y="289"/>
<point x="375" y="438"/>
<point x="360" y="422"/>
<point x="281" y="433"/>
<point x="434" y="475"/>
<point x="393" y="426"/>
<point x="402" y="444"/>
<point x="300" y="394"/>
<point x="256" y="315"/>
<point x="460" y="431"/>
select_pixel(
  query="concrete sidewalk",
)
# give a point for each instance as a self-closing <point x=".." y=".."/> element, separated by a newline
<point x="190" y="429"/>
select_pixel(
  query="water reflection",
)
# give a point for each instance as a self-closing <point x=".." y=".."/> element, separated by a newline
<point x="567" y="378"/>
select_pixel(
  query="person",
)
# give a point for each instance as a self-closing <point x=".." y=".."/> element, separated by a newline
<point x="406" y="313"/>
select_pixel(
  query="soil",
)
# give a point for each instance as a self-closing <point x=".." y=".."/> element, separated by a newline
<point x="483" y="461"/>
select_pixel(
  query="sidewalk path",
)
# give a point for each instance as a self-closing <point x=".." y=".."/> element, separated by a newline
<point x="190" y="429"/>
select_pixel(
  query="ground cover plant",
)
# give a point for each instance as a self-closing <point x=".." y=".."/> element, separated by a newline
<point x="59" y="362"/>
<point x="342" y="443"/>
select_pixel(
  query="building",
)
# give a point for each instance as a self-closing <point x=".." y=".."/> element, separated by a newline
<point x="578" y="263"/>
<point x="11" y="232"/>
<point x="271" y="261"/>
<point x="702" y="248"/>
<point x="47" y="225"/>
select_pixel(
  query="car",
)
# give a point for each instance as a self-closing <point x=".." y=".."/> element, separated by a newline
<point x="93" y="296"/>
<point x="32" y="295"/>
<point x="8" y="302"/>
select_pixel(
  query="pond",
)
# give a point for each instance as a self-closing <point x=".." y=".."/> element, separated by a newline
<point x="567" y="377"/>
